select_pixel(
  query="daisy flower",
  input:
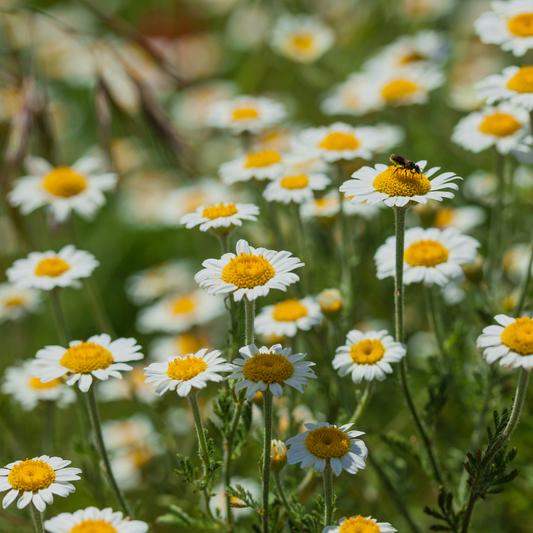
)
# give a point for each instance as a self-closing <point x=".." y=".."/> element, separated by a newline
<point x="325" y="444"/>
<point x="177" y="346"/>
<point x="340" y="141"/>
<point x="130" y="387"/>
<point x="368" y="355"/>
<point x="302" y="38"/>
<point x="325" y="207"/>
<point x="504" y="127"/>
<point x="261" y="165"/>
<point x="461" y="218"/>
<point x="252" y="272"/>
<point x="305" y="162"/>
<point x="297" y="188"/>
<point x="99" y="357"/>
<point x="285" y="318"/>
<point x="356" y="524"/>
<point x="27" y="390"/>
<point x="180" y="312"/>
<point x="92" y="519"/>
<point x="37" y="480"/>
<point x="270" y="369"/>
<point x="509" y="25"/>
<point x="355" y="96"/>
<point x="278" y="455"/>
<point x="16" y="303"/>
<point x="511" y="342"/>
<point x="79" y="188"/>
<point x="431" y="256"/>
<point x="396" y="186"/>
<point x="220" y="218"/>
<point x="48" y="270"/>
<point x="182" y="374"/>
<point x="513" y="85"/>
<point x="246" y="113"/>
<point x="331" y="303"/>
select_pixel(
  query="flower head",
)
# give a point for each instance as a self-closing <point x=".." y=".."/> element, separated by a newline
<point x="220" y="218"/>
<point x="513" y="85"/>
<point x="259" y="164"/>
<point x="278" y="455"/>
<point x="252" y="272"/>
<point x="328" y="444"/>
<point x="331" y="303"/>
<point x="37" y="480"/>
<point x="360" y="524"/>
<point x="16" y="303"/>
<point x="98" y="357"/>
<point x="295" y="187"/>
<point x="355" y="96"/>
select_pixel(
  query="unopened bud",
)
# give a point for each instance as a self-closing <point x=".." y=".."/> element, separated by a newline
<point x="331" y="303"/>
<point x="278" y="455"/>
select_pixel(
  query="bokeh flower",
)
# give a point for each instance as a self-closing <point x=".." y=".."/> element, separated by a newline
<point x="16" y="303"/>
<point x="360" y="524"/>
<point x="221" y="217"/>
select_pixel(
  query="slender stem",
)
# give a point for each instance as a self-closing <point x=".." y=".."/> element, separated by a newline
<point x="363" y="402"/>
<point x="96" y="426"/>
<point x="224" y="239"/>
<point x="468" y="512"/>
<point x="59" y="317"/>
<point x="204" y="453"/>
<point x="328" y="495"/>
<point x="101" y="318"/>
<point x="249" y="311"/>
<point x="282" y="494"/>
<point x="49" y="427"/>
<point x="525" y="284"/>
<point x="37" y="519"/>
<point x="267" y="443"/>
<point x="434" y="319"/>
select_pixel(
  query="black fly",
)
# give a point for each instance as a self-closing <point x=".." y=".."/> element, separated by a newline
<point x="403" y="163"/>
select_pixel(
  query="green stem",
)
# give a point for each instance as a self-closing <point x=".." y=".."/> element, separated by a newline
<point x="49" y="427"/>
<point x="224" y="239"/>
<point x="497" y="217"/>
<point x="37" y="519"/>
<point x="96" y="426"/>
<point x="204" y="453"/>
<point x="267" y="443"/>
<point x="367" y="394"/>
<point x="282" y="495"/>
<point x="100" y="316"/>
<point x="328" y="495"/>
<point x="249" y="311"/>
<point x="433" y="319"/>
<point x="59" y="317"/>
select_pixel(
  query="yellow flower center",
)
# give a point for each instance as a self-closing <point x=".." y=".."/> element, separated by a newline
<point x="194" y="200"/>
<point x="295" y="182"/>
<point x="64" y="182"/>
<point x="93" y="526"/>
<point x="521" y="25"/>
<point x="522" y="81"/>
<point x="397" y="181"/>
<point x="36" y="383"/>
<point x="425" y="253"/>
<point x="14" y="302"/>
<point x="500" y="125"/>
<point x="52" y="267"/>
<point x="220" y="210"/>
<point x="186" y="368"/>
<point x="182" y="305"/>
<point x="339" y="141"/>
<point x="268" y="368"/>
<point x="302" y="41"/>
<point x="245" y="113"/>
<point x="519" y="336"/>
<point x="86" y="357"/>
<point x="31" y="475"/>
<point x="359" y="524"/>
<point x="411" y="58"/>
<point x="262" y="159"/>
<point x="327" y="443"/>
<point x="397" y="89"/>
<point x="444" y="216"/>
<point x="289" y="311"/>
<point x="248" y="271"/>
<point x="188" y="343"/>
<point x="367" y="352"/>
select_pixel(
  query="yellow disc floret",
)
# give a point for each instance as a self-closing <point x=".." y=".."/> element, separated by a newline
<point x="398" y="89"/>
<point x="359" y="524"/>
<point x="519" y="336"/>
<point x="302" y="41"/>
<point x="188" y="343"/>
<point x="295" y="182"/>
<point x="14" y="302"/>
<point x="245" y="113"/>
<point x="52" y="267"/>
<point x="186" y="368"/>
<point x="93" y="526"/>
<point x="36" y="383"/>
<point x="31" y="475"/>
<point x="262" y="159"/>
<point x="248" y="271"/>
<point x="268" y="368"/>
<point x="339" y="141"/>
<point x="444" y="216"/>
<point x="367" y="352"/>
<point x="64" y="182"/>
<point x="499" y="125"/>
<point x="289" y="311"/>
<point x="182" y="305"/>
<point x="396" y="181"/>
<point x="521" y="25"/>
<point x="522" y="81"/>
<point x="220" y="210"/>
<point x="86" y="357"/>
<point x="327" y="443"/>
<point x="426" y="253"/>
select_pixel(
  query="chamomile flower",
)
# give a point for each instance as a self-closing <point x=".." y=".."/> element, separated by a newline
<point x="513" y="85"/>
<point x="504" y="127"/>
<point x="509" y="25"/>
<point x="431" y="256"/>
<point x="325" y="207"/>
<point x="246" y="113"/>
<point x="340" y="141"/>
<point x="297" y="188"/>
<point x="220" y="217"/>
<point x="48" y="270"/>
<point x="368" y="355"/>
<point x="37" y="481"/>
<point x="130" y="387"/>
<point x="177" y="346"/>
<point x="360" y="524"/>
<point x="355" y="96"/>
<point x="302" y="38"/>
<point x="99" y="357"/>
<point x="180" y="312"/>
<point x="305" y="162"/>
<point x="325" y="444"/>
<point x="16" y="303"/>
<point x="396" y="186"/>
<point x="252" y="272"/>
<point x="511" y="342"/>
<point x="270" y="369"/>
<point x="92" y="519"/>
<point x="261" y="165"/>
<point x="331" y="303"/>
<point x="285" y="318"/>
<point x="461" y="218"/>
<point x="79" y="188"/>
<point x="28" y="391"/>
<point x="182" y="374"/>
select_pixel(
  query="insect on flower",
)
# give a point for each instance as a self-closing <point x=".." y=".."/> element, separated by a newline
<point x="402" y="163"/>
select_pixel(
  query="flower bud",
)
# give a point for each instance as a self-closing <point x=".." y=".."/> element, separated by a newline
<point x="278" y="455"/>
<point x="474" y="271"/>
<point x="331" y="303"/>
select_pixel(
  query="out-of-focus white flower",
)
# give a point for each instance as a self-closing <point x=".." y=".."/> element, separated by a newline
<point x="461" y="218"/>
<point x="327" y="206"/>
<point x="297" y="188"/>
<point x="516" y="260"/>
<point x="307" y="162"/>
<point x="425" y="9"/>
<point x="247" y="26"/>
<point x="16" y="303"/>
<point x="261" y="165"/>
<point x="481" y="186"/>
<point x="218" y="501"/>
<point x="355" y="96"/>
<point x="177" y="346"/>
<point x="131" y="387"/>
<point x="513" y="85"/>
<point x="220" y="218"/>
